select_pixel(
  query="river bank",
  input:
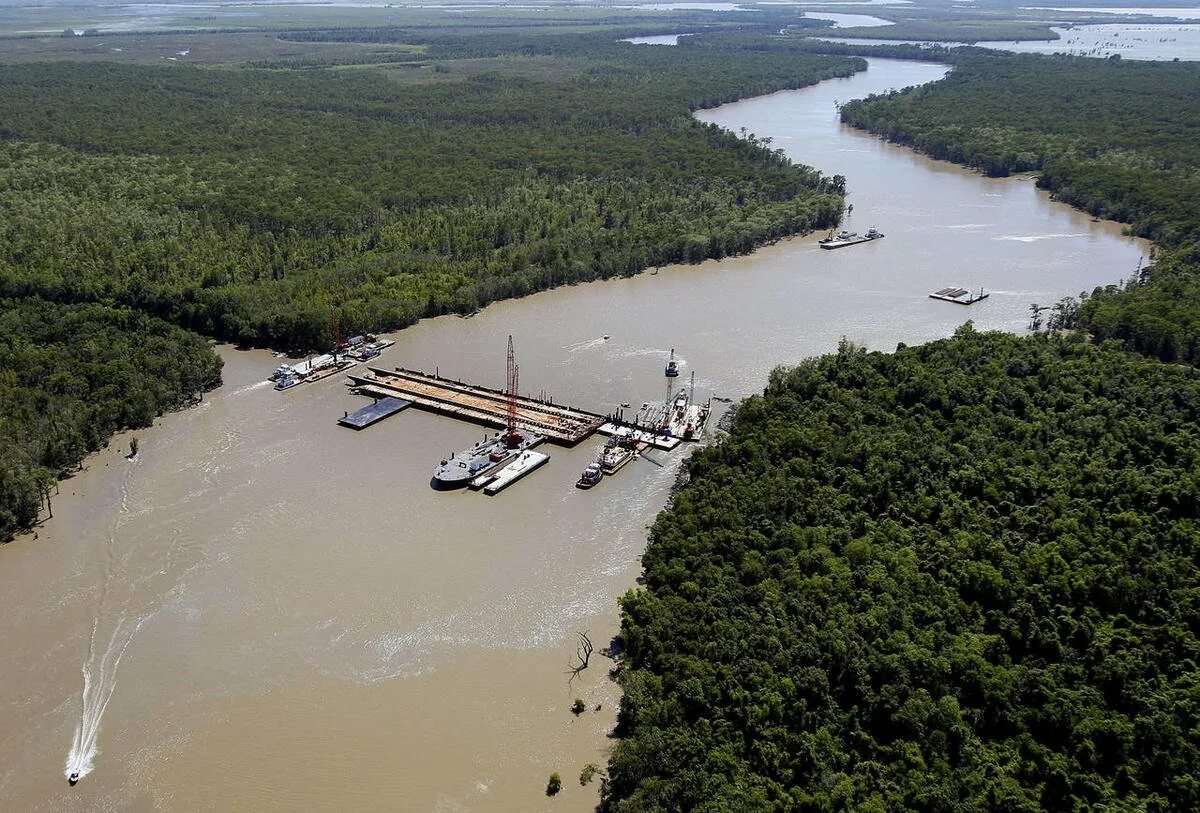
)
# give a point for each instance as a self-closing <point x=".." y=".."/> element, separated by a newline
<point x="309" y="624"/>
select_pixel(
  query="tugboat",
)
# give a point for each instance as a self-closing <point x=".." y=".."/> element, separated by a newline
<point x="591" y="475"/>
<point x="288" y="380"/>
<point x="672" y="366"/>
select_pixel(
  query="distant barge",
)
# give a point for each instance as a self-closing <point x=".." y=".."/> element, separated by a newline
<point x="959" y="296"/>
<point x="315" y="368"/>
<point x="850" y="238"/>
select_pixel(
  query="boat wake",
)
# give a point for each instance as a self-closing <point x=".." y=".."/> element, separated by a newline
<point x="99" y="681"/>
<point x="258" y="385"/>
<point x="104" y="656"/>
<point x="1033" y="238"/>
<point x="587" y="344"/>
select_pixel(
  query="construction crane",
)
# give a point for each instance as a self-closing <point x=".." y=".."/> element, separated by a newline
<point x="512" y="437"/>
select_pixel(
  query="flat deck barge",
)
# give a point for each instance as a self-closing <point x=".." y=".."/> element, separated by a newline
<point x="559" y="424"/>
<point x="374" y="413"/>
<point x="525" y="463"/>
<point x="959" y="296"/>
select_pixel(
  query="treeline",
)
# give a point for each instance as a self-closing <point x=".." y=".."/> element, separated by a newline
<point x="1117" y="139"/>
<point x="70" y="376"/>
<point x="251" y="205"/>
<point x="791" y="40"/>
<point x="958" y="577"/>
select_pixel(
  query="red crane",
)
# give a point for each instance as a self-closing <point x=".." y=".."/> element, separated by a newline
<point x="512" y="437"/>
<point x="338" y="344"/>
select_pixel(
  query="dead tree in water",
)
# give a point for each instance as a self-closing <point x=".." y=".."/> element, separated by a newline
<point x="583" y="651"/>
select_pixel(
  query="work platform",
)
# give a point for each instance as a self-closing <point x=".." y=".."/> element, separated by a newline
<point x="560" y="424"/>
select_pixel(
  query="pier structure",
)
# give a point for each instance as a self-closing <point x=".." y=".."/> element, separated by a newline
<point x="470" y="402"/>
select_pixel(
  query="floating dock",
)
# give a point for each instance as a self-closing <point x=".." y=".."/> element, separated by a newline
<point x="526" y="462"/>
<point x="374" y="413"/>
<point x="470" y="402"/>
<point x="960" y="296"/>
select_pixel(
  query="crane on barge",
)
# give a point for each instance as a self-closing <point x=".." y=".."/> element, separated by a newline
<point x="512" y="436"/>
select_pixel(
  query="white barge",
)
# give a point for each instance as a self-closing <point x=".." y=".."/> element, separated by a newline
<point x="526" y="462"/>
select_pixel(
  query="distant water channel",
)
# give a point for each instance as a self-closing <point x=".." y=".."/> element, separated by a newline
<point x="305" y="624"/>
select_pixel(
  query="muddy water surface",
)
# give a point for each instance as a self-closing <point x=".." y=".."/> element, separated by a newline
<point x="281" y="614"/>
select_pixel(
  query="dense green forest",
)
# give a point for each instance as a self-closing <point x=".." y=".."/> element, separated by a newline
<point x="964" y="576"/>
<point x="70" y="376"/>
<point x="253" y="204"/>
<point x="1117" y="139"/>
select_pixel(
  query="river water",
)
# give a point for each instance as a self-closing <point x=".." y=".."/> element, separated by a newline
<point x="270" y="611"/>
<point x="1158" y="41"/>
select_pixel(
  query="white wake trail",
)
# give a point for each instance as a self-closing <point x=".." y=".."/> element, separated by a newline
<point x="100" y="669"/>
<point x="98" y="686"/>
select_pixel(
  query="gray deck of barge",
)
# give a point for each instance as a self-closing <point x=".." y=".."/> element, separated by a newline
<point x="374" y="413"/>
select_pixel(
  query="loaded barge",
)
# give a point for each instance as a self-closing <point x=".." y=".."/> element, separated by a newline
<point x="849" y="238"/>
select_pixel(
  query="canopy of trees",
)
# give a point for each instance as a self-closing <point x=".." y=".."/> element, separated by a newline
<point x="251" y="204"/>
<point x="72" y="375"/>
<point x="959" y="577"/>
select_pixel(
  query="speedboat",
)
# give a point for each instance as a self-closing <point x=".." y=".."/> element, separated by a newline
<point x="73" y="778"/>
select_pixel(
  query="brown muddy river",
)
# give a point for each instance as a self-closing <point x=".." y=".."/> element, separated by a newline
<point x="267" y="611"/>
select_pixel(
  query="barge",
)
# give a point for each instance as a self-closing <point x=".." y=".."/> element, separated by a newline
<point x="850" y="238"/>
<point x="526" y="462"/>
<point x="486" y="457"/>
<point x="959" y="296"/>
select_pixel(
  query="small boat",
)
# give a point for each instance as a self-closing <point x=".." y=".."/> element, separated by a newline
<point x="672" y="366"/>
<point x="591" y="475"/>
